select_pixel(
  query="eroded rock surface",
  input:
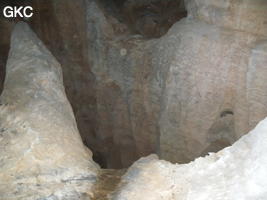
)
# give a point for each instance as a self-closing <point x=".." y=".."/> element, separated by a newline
<point x="210" y="92"/>
<point x="237" y="172"/>
<point x="42" y="155"/>
<point x="125" y="88"/>
<point x="195" y="90"/>
<point x="64" y="34"/>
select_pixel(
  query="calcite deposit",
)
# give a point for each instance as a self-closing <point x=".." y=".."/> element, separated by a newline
<point x="238" y="172"/>
<point x="42" y="155"/>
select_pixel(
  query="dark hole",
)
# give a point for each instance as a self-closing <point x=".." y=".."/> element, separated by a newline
<point x="226" y="112"/>
<point x="149" y="18"/>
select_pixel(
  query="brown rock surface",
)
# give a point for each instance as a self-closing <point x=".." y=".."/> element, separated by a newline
<point x="124" y="91"/>
<point x="42" y="155"/>
<point x="106" y="184"/>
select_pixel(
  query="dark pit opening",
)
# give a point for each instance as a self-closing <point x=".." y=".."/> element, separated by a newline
<point x="149" y="18"/>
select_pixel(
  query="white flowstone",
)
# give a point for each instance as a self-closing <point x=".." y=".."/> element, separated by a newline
<point x="236" y="173"/>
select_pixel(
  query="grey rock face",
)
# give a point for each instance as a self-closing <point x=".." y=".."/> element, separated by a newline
<point x="42" y="155"/>
<point x="195" y="90"/>
<point x="127" y="91"/>
<point x="214" y="78"/>
<point x="246" y="16"/>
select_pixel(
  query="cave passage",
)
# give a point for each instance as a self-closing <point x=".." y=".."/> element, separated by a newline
<point x="62" y="27"/>
<point x="134" y="99"/>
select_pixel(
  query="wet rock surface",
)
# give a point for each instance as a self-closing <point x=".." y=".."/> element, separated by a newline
<point x="106" y="184"/>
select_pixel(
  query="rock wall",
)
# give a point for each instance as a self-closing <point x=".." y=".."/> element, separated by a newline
<point x="42" y="154"/>
<point x="237" y="172"/>
<point x="195" y="90"/>
<point x="210" y="95"/>
<point x="138" y="86"/>
<point x="125" y="87"/>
